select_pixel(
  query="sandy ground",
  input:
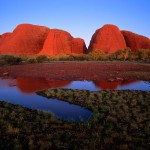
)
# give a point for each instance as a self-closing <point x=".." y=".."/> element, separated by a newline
<point x="95" y="71"/>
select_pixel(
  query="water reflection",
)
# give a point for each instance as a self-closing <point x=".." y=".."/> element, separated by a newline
<point x="22" y="91"/>
<point x="116" y="85"/>
<point x="31" y="85"/>
<point x="61" y="109"/>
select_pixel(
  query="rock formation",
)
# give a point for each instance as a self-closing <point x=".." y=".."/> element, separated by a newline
<point x="32" y="40"/>
<point x="25" y="39"/>
<point x="108" y="39"/>
<point x="136" y="41"/>
<point x="61" y="42"/>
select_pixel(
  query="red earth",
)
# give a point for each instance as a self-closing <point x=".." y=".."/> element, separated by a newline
<point x="72" y="71"/>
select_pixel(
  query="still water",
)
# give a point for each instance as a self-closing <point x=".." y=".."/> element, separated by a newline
<point x="22" y="91"/>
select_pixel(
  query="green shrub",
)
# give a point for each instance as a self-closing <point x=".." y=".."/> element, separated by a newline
<point x="63" y="57"/>
<point x="96" y="55"/>
<point x="10" y="59"/>
<point x="80" y="57"/>
<point x="122" y="54"/>
<point x="24" y="57"/>
<point x="41" y="58"/>
<point x="144" y="54"/>
<point x="31" y="60"/>
<point x="133" y="56"/>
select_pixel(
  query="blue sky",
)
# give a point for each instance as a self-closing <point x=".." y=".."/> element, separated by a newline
<point x="79" y="17"/>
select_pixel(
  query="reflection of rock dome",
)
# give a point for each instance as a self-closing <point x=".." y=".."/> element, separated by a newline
<point x="31" y="85"/>
<point x="112" y="85"/>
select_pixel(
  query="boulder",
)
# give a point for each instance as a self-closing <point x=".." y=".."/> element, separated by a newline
<point x="136" y="41"/>
<point x="25" y="39"/>
<point x="61" y="42"/>
<point x="108" y="39"/>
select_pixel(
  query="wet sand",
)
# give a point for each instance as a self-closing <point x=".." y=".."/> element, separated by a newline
<point x="71" y="71"/>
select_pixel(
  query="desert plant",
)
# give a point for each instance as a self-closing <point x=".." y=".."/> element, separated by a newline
<point x="24" y="57"/>
<point x="144" y="54"/>
<point x="31" y="60"/>
<point x="122" y="54"/>
<point x="42" y="58"/>
<point x="10" y="59"/>
<point x="96" y="55"/>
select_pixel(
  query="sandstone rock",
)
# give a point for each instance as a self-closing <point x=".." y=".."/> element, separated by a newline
<point x="136" y="41"/>
<point x="78" y="46"/>
<point x="25" y="39"/>
<point x="61" y="42"/>
<point x="108" y="39"/>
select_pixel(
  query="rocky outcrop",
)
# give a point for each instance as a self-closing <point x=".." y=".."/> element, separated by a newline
<point x="25" y="39"/>
<point x="61" y="42"/>
<point x="107" y="39"/>
<point x="78" y="46"/>
<point x="136" y="41"/>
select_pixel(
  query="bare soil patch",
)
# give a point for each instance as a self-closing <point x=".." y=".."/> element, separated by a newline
<point x="95" y="71"/>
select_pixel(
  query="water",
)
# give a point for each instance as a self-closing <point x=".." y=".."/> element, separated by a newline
<point x="22" y="91"/>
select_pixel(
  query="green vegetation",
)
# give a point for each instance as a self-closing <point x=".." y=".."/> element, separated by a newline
<point x="31" y="60"/>
<point x="122" y="54"/>
<point x="144" y="54"/>
<point x="120" y="121"/>
<point x="9" y="60"/>
<point x="41" y="58"/>
<point x="120" y="117"/>
<point x="97" y="55"/>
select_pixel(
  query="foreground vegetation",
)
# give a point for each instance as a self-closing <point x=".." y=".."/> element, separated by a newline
<point x="97" y="55"/>
<point x="120" y="121"/>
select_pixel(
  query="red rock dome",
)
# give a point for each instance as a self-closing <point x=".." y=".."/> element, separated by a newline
<point x="61" y="42"/>
<point x="136" y="41"/>
<point x="108" y="39"/>
<point x="25" y="39"/>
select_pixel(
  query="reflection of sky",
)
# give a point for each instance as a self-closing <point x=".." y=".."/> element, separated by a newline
<point x="83" y="85"/>
<point x="89" y="85"/>
<point x="62" y="109"/>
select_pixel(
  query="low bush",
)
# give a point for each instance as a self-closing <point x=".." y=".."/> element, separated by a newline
<point x="31" y="60"/>
<point x="10" y="59"/>
<point x="42" y="58"/>
<point x="122" y="54"/>
<point x="96" y="55"/>
<point x="24" y="57"/>
<point x="144" y="54"/>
